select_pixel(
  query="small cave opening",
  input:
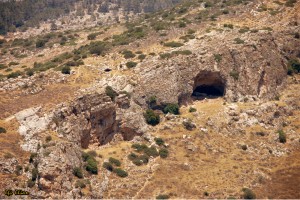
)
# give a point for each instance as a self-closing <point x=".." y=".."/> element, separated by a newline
<point x="208" y="85"/>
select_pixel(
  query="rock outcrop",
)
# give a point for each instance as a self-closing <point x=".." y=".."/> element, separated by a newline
<point x="254" y="70"/>
<point x="88" y="119"/>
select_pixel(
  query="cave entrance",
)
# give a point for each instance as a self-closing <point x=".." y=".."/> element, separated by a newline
<point x="208" y="85"/>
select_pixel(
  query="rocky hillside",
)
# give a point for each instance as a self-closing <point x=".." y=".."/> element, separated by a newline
<point x="200" y="100"/>
<point x="27" y="13"/>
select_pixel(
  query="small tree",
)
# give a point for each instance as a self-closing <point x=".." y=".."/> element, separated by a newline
<point x="248" y="194"/>
<point x="163" y="153"/>
<point x="172" y="108"/>
<point x="159" y="141"/>
<point x="92" y="166"/>
<point x="66" y="70"/>
<point x="2" y="130"/>
<point x="111" y="92"/>
<point x="115" y="161"/>
<point x="151" y="117"/>
<point x="152" y="151"/>
<point x="77" y="172"/>
<point x="281" y="136"/>
<point x="108" y="166"/>
<point x="120" y="172"/>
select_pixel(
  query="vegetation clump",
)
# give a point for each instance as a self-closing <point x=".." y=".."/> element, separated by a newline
<point x="111" y="92"/>
<point x="281" y="136"/>
<point x="248" y="194"/>
<point x="91" y="163"/>
<point x="159" y="141"/>
<point x="293" y="67"/>
<point x="172" y="108"/>
<point x="115" y="162"/>
<point x="234" y="74"/>
<point x="128" y="54"/>
<point x="131" y="64"/>
<point x="163" y="153"/>
<point x="239" y="41"/>
<point x="66" y="70"/>
<point x="191" y="110"/>
<point x="108" y="166"/>
<point x="2" y="130"/>
<point x="173" y="44"/>
<point x="77" y="172"/>
<point x="151" y="117"/>
<point x="163" y="196"/>
<point x="120" y="172"/>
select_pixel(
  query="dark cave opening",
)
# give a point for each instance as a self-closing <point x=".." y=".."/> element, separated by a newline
<point x="208" y="85"/>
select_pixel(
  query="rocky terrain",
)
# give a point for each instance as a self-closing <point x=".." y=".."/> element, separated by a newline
<point x="197" y="101"/>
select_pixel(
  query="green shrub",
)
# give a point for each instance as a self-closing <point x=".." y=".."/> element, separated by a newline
<point x="218" y="57"/>
<point x="2" y="130"/>
<point x="165" y="55"/>
<point x="30" y="72"/>
<point x="163" y="196"/>
<point x="120" y="172"/>
<point x="85" y="156"/>
<point x="151" y="117"/>
<point x="3" y="66"/>
<point x="152" y="151"/>
<point x="40" y="43"/>
<point x="152" y="100"/>
<point x="80" y="184"/>
<point x="92" y="153"/>
<point x="108" y="166"/>
<point x="293" y="66"/>
<point x="19" y="169"/>
<point x="172" y="108"/>
<point x="144" y="158"/>
<point x="189" y="125"/>
<point x="248" y="194"/>
<point x="131" y="64"/>
<point x="234" y="74"/>
<point x="34" y="174"/>
<point x="244" y="30"/>
<point x="228" y="26"/>
<point x="14" y="74"/>
<point x="137" y="162"/>
<point x="182" y="25"/>
<point x="111" y="92"/>
<point x="159" y="141"/>
<point x="282" y="136"/>
<point x="290" y="3"/>
<point x="132" y="156"/>
<point x="98" y="48"/>
<point x="139" y="147"/>
<point x="77" y="172"/>
<point x="30" y="183"/>
<point x="239" y="41"/>
<point x="192" y="110"/>
<point x="48" y="138"/>
<point x="66" y="70"/>
<point x="92" y="36"/>
<point x="115" y="161"/>
<point x="173" y="44"/>
<point x="208" y="4"/>
<point x="163" y="153"/>
<point x="244" y="147"/>
<point x="32" y="157"/>
<point x="92" y="166"/>
<point x="184" y="52"/>
<point x="128" y="54"/>
<point x="141" y="57"/>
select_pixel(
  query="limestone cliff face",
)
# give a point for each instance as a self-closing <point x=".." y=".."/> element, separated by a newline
<point x="255" y="69"/>
<point x="88" y="119"/>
